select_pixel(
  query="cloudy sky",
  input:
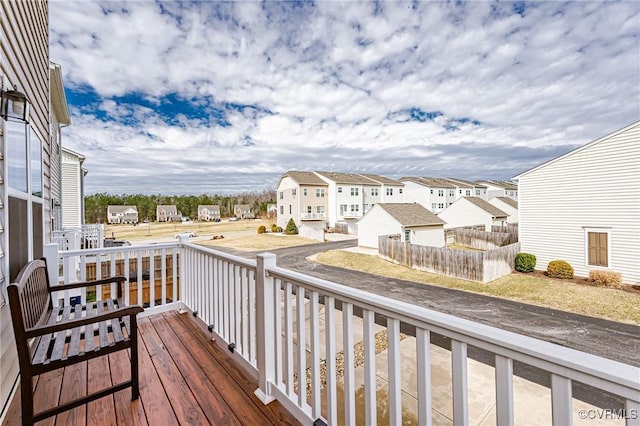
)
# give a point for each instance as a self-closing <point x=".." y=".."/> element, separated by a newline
<point x="218" y="97"/>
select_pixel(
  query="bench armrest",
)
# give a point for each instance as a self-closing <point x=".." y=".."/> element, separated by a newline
<point x="78" y="322"/>
<point x="109" y="280"/>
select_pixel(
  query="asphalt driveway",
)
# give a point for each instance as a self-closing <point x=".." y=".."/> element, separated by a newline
<point x="609" y="339"/>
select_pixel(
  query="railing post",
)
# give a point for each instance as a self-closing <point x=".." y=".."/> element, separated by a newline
<point x="265" y="327"/>
<point x="51" y="255"/>
<point x="182" y="272"/>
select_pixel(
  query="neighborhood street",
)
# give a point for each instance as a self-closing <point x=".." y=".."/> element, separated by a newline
<point x="609" y="339"/>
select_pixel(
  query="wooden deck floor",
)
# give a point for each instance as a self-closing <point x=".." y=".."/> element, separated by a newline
<point x="184" y="379"/>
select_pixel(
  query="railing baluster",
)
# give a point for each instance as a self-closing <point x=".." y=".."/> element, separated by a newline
<point x="330" y="348"/>
<point x="225" y="302"/>
<point x="208" y="289"/>
<point x="561" y="404"/>
<point x="504" y="390"/>
<point x="220" y="299"/>
<point x="112" y="272"/>
<point x="278" y="306"/>
<point x="127" y="284"/>
<point x="370" y="384"/>
<point x="237" y="284"/>
<point x="245" y="311"/>
<point x="163" y="274"/>
<point x="174" y="271"/>
<point x="314" y="322"/>
<point x="423" y="354"/>
<point x="288" y="339"/>
<point x="395" y="375"/>
<point x="67" y="277"/>
<point x="152" y="278"/>
<point x="139" y="282"/>
<point x="459" y="380"/>
<point x="349" y="371"/>
<point x="302" y="347"/>
<point x="252" y="317"/>
<point x="98" y="288"/>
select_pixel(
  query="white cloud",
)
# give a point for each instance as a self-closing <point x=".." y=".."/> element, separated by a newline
<point x="334" y="84"/>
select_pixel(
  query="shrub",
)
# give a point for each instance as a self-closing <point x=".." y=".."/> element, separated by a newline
<point x="606" y="278"/>
<point x="262" y="229"/>
<point x="559" y="269"/>
<point x="291" y="228"/>
<point x="279" y="229"/>
<point x="525" y="262"/>
<point x="274" y="228"/>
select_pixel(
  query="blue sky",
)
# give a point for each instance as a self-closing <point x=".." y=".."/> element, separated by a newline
<point x="224" y="97"/>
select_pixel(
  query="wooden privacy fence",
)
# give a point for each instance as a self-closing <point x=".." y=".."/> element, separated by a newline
<point x="479" y="239"/>
<point x="132" y="276"/>
<point x="466" y="264"/>
<point x="507" y="227"/>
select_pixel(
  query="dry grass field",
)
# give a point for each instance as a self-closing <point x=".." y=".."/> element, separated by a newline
<point x="259" y="242"/>
<point x="617" y="305"/>
<point x="146" y="231"/>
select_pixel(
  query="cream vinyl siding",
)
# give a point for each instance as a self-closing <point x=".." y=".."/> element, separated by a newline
<point x="465" y="213"/>
<point x="71" y="191"/>
<point x="432" y="235"/>
<point x="287" y="185"/>
<point x="375" y="223"/>
<point x="416" y="193"/>
<point x="596" y="187"/>
<point x="511" y="211"/>
<point x="24" y="49"/>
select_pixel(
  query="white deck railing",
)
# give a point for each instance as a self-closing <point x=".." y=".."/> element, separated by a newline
<point x="297" y="335"/>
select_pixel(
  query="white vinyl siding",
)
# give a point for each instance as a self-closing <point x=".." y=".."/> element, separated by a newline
<point x="465" y="213"/>
<point x="378" y="222"/>
<point x="601" y="181"/>
<point x="428" y="235"/>
<point x="25" y="63"/>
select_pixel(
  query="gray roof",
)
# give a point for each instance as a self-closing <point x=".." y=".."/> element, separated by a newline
<point x="121" y="209"/>
<point x="382" y="179"/>
<point x="305" y="178"/>
<point x="509" y="201"/>
<point x="210" y="207"/>
<point x="168" y="208"/>
<point x="461" y="183"/>
<point x="501" y="184"/>
<point x="486" y="206"/>
<point x="243" y="207"/>
<point x="352" y="178"/>
<point x="430" y="182"/>
<point x="411" y="214"/>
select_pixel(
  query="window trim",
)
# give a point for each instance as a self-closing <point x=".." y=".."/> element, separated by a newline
<point x="597" y="230"/>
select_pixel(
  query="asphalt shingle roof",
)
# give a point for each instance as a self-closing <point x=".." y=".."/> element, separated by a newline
<point x="486" y="206"/>
<point x="411" y="214"/>
<point x="509" y="201"/>
<point x="305" y="178"/>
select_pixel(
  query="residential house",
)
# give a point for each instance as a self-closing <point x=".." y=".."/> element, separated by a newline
<point x="473" y="211"/>
<point x="434" y="194"/>
<point x="500" y="188"/>
<point x="507" y="205"/>
<point x="168" y="213"/>
<point x="414" y="223"/>
<point x="272" y="211"/>
<point x="208" y="212"/>
<point x="302" y="196"/>
<point x="25" y="154"/>
<point x="72" y="188"/>
<point x="243" y="211"/>
<point x="465" y="188"/>
<point x="59" y="118"/>
<point x="595" y="223"/>
<point x="122" y="214"/>
<point x="350" y="195"/>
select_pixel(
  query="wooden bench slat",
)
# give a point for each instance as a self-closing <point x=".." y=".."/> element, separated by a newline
<point x="42" y="345"/>
<point x="102" y="328"/>
<point x="60" y="338"/>
<point x="89" y="331"/>
<point x="74" y="343"/>
<point x="116" y="326"/>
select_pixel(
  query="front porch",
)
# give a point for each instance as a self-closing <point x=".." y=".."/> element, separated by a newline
<point x="185" y="378"/>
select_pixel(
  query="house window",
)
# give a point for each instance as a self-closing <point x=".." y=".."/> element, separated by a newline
<point x="343" y="209"/>
<point x="461" y="192"/>
<point x="468" y="192"/>
<point x="320" y="209"/>
<point x="440" y="192"/>
<point x="389" y="191"/>
<point x="294" y="192"/>
<point x="319" y="192"/>
<point x="304" y="191"/>
<point x="281" y="209"/>
<point x="339" y="190"/>
<point x="355" y="192"/>
<point x="597" y="248"/>
<point x="308" y="209"/>
<point x="374" y="191"/>
<point x="281" y="195"/>
<point x="365" y="208"/>
<point x="432" y="192"/>
<point x="433" y="206"/>
<point x="441" y="205"/>
<point x="355" y="208"/>
<point x="452" y="193"/>
<point x="400" y="190"/>
<point x="478" y="192"/>
<point x="407" y="235"/>
<point x="289" y="208"/>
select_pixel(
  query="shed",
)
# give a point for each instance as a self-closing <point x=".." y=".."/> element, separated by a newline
<point x="473" y="211"/>
<point x="507" y="205"/>
<point x="412" y="221"/>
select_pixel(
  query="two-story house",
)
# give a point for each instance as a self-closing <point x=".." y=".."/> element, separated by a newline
<point x="434" y="194"/>
<point x="465" y="188"/>
<point x="209" y="213"/>
<point x="500" y="188"/>
<point x="303" y="197"/>
<point x="122" y="214"/>
<point x="167" y="213"/>
<point x="243" y="211"/>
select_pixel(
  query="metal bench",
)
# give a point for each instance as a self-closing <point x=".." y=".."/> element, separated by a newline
<point x="48" y="337"/>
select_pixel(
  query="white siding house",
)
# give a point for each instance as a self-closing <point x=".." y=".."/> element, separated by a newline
<point x="472" y="211"/>
<point x="595" y="225"/>
<point x="507" y="205"/>
<point x="72" y="189"/>
<point x="25" y="159"/>
<point x="59" y="118"/>
<point x="414" y="223"/>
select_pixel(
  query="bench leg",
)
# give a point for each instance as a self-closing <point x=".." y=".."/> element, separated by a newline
<point x="26" y="395"/>
<point x="135" y="387"/>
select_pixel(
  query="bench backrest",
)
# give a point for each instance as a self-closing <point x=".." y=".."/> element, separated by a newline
<point x="29" y="299"/>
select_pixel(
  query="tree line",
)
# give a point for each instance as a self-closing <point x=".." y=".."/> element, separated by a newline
<point x="95" y="206"/>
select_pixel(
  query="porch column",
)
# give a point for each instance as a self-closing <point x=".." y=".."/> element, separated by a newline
<point x="265" y="326"/>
